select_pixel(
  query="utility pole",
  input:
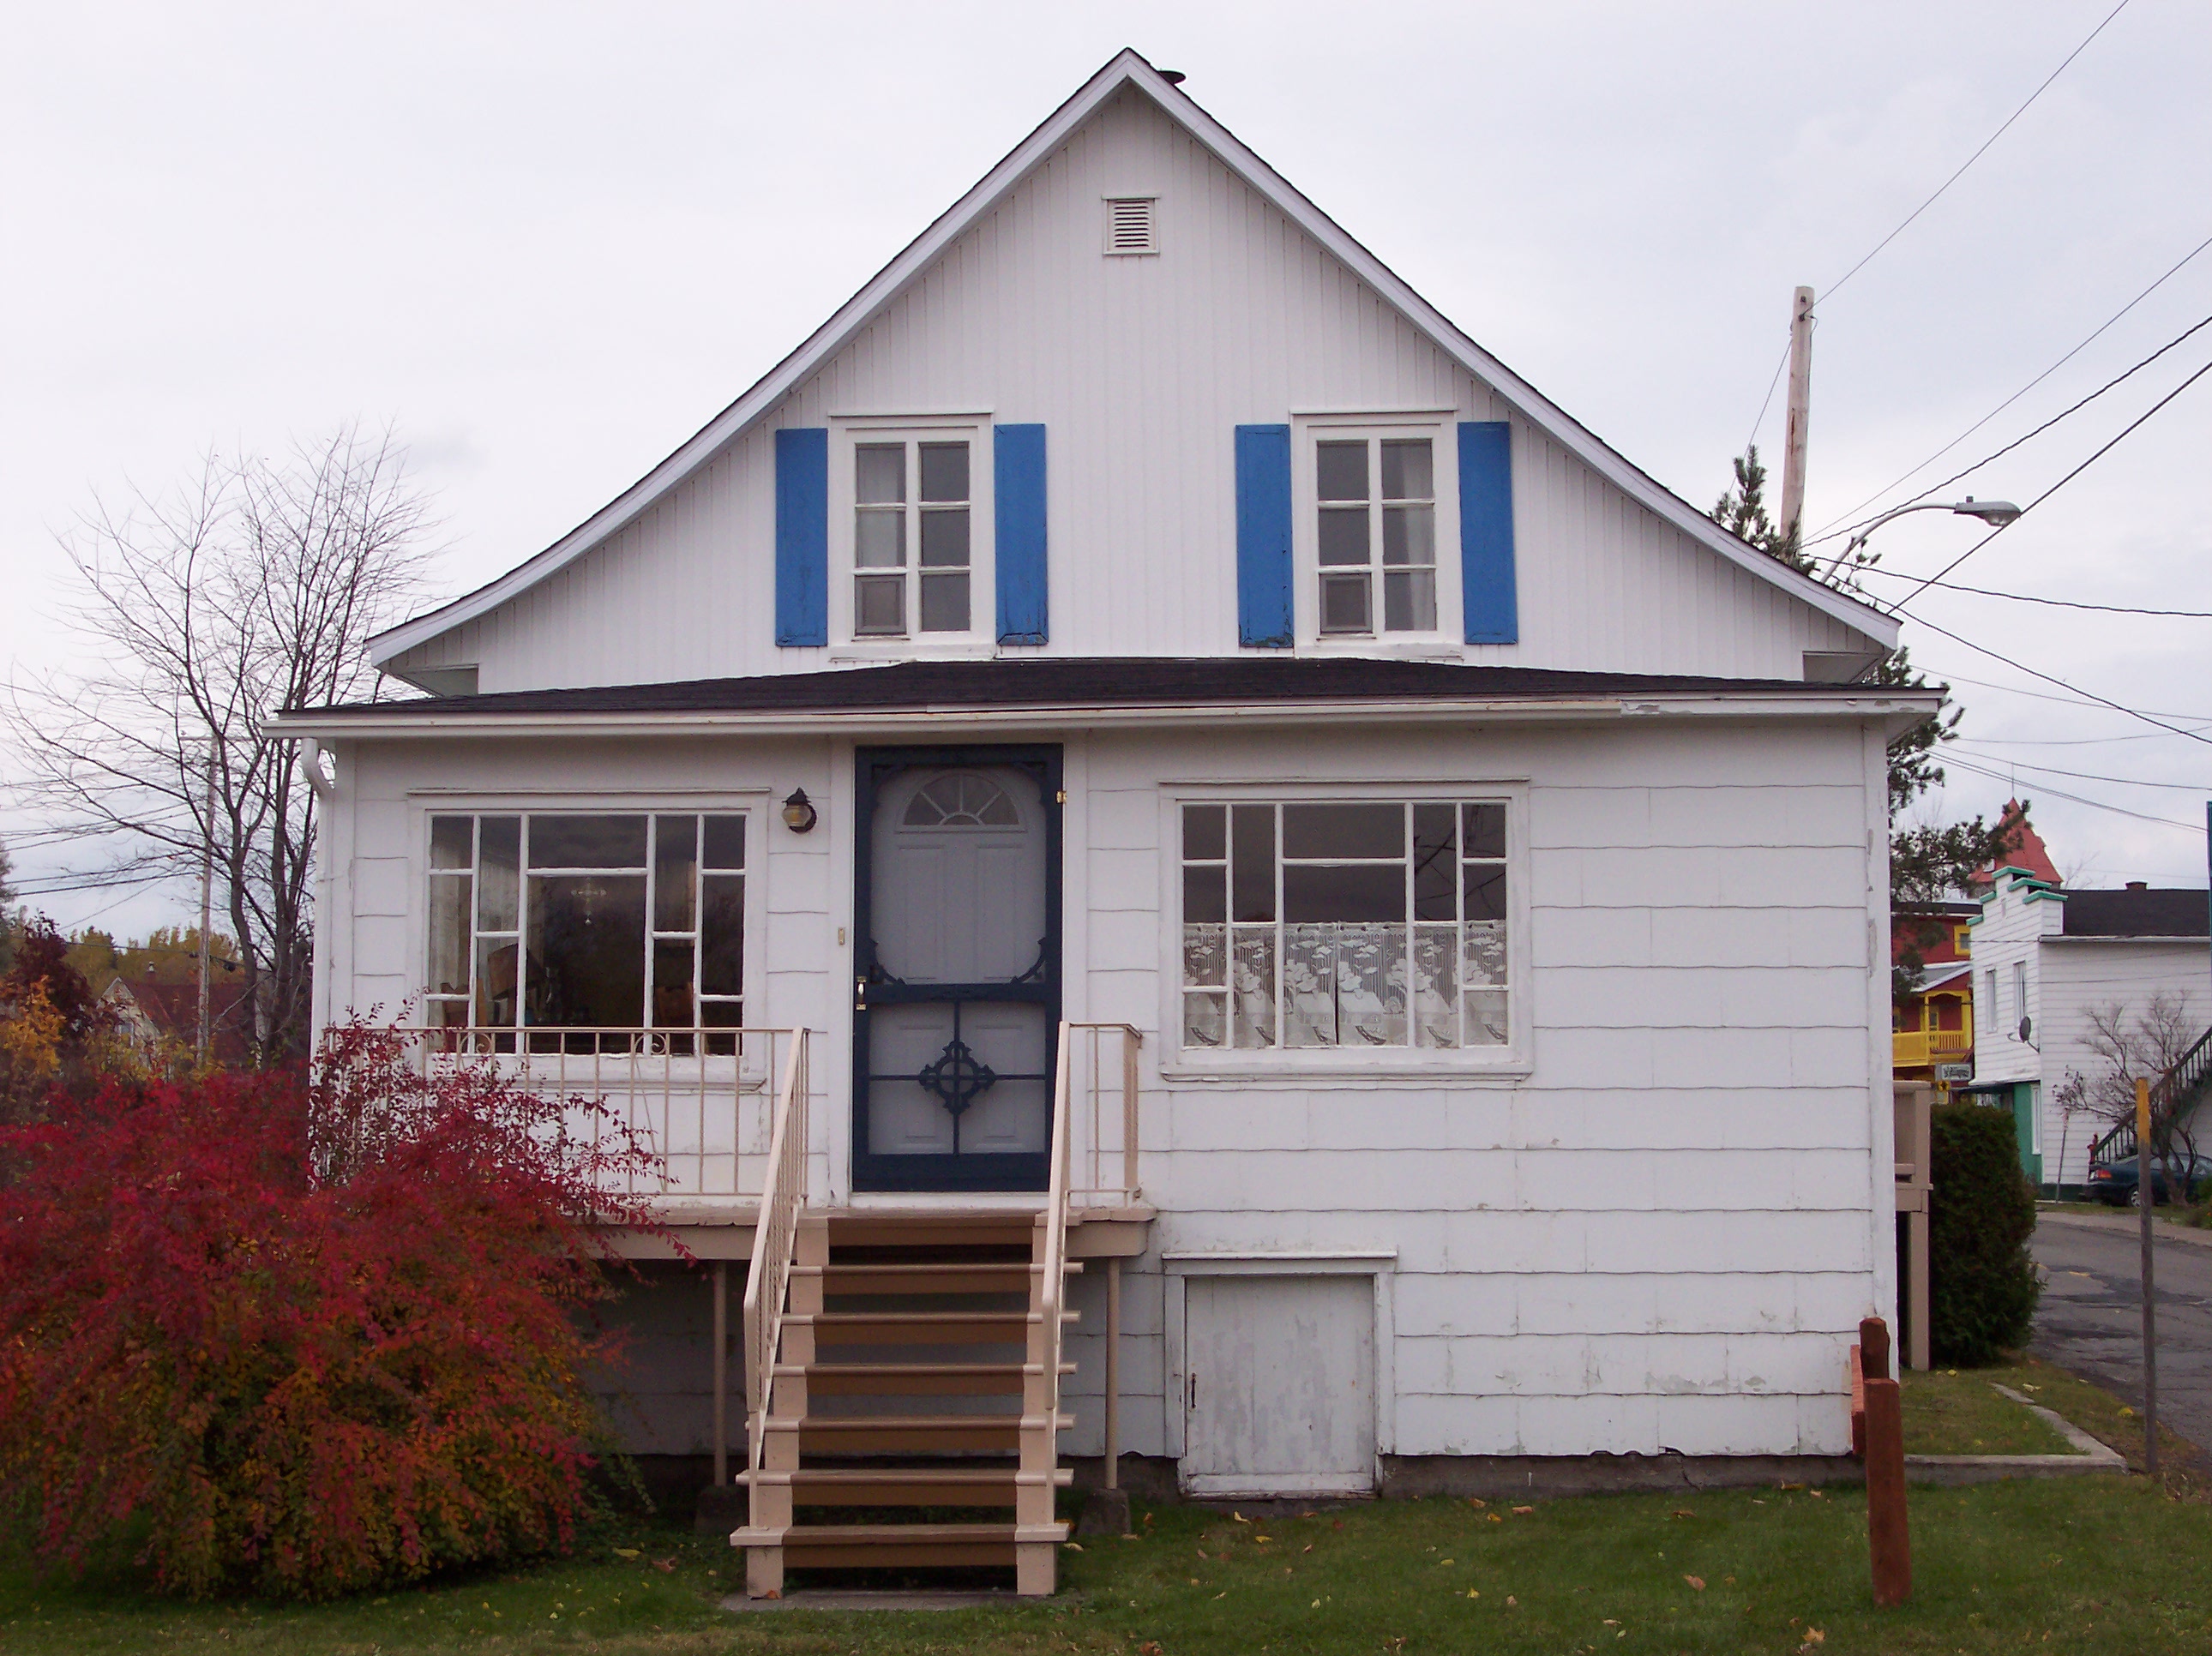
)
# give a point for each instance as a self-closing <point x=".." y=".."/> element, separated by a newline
<point x="1801" y="410"/>
<point x="2146" y="1197"/>
<point x="207" y="904"/>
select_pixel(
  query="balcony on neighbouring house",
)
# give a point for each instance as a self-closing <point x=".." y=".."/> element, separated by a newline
<point x="1916" y="1049"/>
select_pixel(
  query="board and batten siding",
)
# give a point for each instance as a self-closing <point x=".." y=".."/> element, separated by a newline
<point x="1661" y="1237"/>
<point x="1139" y="369"/>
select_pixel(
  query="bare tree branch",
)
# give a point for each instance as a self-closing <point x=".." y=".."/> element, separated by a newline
<point x="255" y="586"/>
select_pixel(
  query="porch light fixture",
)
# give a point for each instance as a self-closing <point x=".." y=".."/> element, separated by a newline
<point x="799" y="812"/>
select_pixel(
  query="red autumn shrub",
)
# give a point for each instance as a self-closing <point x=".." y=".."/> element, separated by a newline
<point x="303" y="1339"/>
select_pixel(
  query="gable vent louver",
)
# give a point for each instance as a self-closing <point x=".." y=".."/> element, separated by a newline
<point x="1132" y="224"/>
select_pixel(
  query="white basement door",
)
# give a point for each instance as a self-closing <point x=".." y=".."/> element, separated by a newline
<point x="1279" y="1385"/>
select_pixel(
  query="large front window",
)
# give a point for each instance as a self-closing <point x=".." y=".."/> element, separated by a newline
<point x="1366" y="924"/>
<point x="587" y="921"/>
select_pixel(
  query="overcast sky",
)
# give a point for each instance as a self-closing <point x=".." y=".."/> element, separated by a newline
<point x="549" y="241"/>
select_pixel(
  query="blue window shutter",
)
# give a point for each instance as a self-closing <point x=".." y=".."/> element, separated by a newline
<point x="802" y="535"/>
<point x="1485" y="532"/>
<point x="1263" y="537"/>
<point x="1018" y="510"/>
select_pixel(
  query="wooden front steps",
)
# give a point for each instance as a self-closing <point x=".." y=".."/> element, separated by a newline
<point x="912" y="1374"/>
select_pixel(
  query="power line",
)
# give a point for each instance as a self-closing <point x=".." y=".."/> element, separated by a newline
<point x="1829" y="535"/>
<point x="1836" y="286"/>
<point x="2090" y="776"/>
<point x="2032" y="672"/>
<point x="1899" y="607"/>
<point x="2039" y="695"/>
<point x="1768" y="401"/>
<point x="2053" y="741"/>
<point x="1831" y="527"/>
<point x="2031" y="597"/>
<point x="2078" y="799"/>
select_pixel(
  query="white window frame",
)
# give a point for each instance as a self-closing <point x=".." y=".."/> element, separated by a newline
<point x="1303" y="1066"/>
<point x="847" y="433"/>
<point x="1307" y="430"/>
<point x="754" y="804"/>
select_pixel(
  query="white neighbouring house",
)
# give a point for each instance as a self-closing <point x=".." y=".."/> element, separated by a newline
<point x="1182" y="635"/>
<point x="2044" y="957"/>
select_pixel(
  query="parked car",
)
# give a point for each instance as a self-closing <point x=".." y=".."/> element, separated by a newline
<point x="2115" y="1182"/>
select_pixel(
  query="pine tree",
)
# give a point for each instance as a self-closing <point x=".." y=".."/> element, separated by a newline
<point x="1742" y="512"/>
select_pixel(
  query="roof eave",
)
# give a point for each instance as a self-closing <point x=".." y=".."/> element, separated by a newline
<point x="1125" y="68"/>
<point x="382" y="723"/>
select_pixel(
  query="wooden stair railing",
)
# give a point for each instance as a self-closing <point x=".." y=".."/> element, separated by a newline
<point x="2175" y="1091"/>
<point x="917" y="1364"/>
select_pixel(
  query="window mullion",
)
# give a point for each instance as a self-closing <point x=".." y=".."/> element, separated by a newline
<point x="1282" y="926"/>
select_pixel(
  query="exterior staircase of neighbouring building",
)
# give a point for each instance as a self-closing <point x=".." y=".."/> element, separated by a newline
<point x="2176" y="1093"/>
<point x="914" y="1412"/>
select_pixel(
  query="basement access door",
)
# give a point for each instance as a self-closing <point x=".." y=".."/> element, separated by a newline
<point x="1279" y="1383"/>
<point x="956" y="899"/>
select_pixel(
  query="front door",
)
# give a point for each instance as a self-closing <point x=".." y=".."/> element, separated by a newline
<point x="956" y="923"/>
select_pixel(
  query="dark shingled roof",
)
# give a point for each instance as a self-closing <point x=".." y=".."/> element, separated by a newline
<point x="2165" y="912"/>
<point x="1077" y="681"/>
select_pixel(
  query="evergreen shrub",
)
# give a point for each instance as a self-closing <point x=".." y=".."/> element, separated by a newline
<point x="1982" y="1286"/>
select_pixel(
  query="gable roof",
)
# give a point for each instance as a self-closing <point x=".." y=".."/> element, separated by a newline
<point x="1127" y="68"/>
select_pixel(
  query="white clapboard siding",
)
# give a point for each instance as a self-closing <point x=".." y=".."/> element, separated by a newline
<point x="1674" y="1208"/>
<point x="1139" y="369"/>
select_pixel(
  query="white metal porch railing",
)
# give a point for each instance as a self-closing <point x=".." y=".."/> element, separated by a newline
<point x="701" y="1100"/>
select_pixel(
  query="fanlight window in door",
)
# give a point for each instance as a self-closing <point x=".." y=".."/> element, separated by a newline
<point x="962" y="800"/>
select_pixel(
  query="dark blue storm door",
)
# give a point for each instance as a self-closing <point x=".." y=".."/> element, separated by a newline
<point x="956" y="910"/>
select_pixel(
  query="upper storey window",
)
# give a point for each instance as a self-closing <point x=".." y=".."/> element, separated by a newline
<point x="1376" y="500"/>
<point x="911" y="544"/>
<point x="915" y="521"/>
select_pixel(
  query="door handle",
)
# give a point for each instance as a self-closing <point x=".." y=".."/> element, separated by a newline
<point x="860" y="994"/>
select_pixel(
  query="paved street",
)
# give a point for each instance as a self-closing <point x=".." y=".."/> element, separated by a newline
<point x="2091" y="1318"/>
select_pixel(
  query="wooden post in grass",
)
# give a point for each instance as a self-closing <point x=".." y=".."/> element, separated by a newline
<point x="2147" y="1199"/>
<point x="1890" y="1548"/>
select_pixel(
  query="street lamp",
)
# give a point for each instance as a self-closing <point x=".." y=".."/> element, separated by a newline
<point x="1995" y="513"/>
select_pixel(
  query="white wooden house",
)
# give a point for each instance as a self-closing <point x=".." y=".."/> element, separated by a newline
<point x="2045" y="956"/>
<point x="1139" y="654"/>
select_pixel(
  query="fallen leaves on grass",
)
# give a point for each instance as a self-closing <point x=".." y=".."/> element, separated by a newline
<point x="620" y="1552"/>
<point x="1696" y="1583"/>
<point x="1681" y="1512"/>
<point x="1519" y="1511"/>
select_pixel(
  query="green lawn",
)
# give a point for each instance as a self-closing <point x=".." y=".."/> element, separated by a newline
<point x="1959" y="1412"/>
<point x="2100" y="1563"/>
